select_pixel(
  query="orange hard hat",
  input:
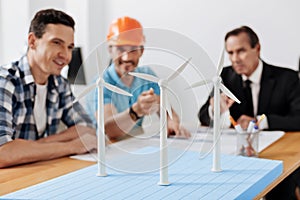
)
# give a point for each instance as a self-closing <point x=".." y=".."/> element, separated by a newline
<point x="126" y="31"/>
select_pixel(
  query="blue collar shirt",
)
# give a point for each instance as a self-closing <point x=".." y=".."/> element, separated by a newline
<point x="119" y="101"/>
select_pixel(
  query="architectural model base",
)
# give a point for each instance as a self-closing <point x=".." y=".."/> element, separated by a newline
<point x="191" y="178"/>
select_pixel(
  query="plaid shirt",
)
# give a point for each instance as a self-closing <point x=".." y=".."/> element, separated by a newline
<point x="17" y="94"/>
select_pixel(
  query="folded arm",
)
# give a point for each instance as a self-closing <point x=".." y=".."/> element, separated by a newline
<point x="71" y="141"/>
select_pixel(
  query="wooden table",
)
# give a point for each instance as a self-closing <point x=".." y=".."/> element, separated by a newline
<point x="286" y="149"/>
<point x="15" y="178"/>
<point x="12" y="179"/>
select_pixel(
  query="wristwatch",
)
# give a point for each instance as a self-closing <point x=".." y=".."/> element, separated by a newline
<point x="134" y="116"/>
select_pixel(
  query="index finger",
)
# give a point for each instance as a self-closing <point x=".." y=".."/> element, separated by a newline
<point x="151" y="91"/>
<point x="148" y="92"/>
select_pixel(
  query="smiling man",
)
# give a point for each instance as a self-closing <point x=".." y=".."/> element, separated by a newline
<point x="34" y="98"/>
<point x="121" y="113"/>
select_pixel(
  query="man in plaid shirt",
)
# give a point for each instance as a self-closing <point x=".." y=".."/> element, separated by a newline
<point x="34" y="98"/>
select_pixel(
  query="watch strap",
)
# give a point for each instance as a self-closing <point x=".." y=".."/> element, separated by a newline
<point x="133" y="114"/>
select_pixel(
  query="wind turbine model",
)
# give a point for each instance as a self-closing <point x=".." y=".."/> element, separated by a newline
<point x="164" y="106"/>
<point x="100" y="83"/>
<point x="216" y="130"/>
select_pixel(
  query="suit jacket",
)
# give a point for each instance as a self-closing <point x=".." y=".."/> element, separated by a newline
<point x="279" y="97"/>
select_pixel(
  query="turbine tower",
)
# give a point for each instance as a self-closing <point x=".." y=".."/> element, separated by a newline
<point x="165" y="108"/>
<point x="218" y="85"/>
<point x="100" y="84"/>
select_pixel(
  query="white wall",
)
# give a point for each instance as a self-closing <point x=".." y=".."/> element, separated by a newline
<point x="207" y="21"/>
<point x="14" y="27"/>
<point x="1" y="42"/>
<point x="204" y="21"/>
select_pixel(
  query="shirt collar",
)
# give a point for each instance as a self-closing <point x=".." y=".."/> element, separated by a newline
<point x="24" y="66"/>
<point x="255" y="77"/>
<point x="115" y="77"/>
<point x="113" y="73"/>
<point x="28" y="77"/>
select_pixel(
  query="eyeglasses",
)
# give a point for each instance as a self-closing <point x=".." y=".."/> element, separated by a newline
<point x="127" y="48"/>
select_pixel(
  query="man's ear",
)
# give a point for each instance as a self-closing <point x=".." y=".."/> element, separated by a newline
<point x="258" y="47"/>
<point x="141" y="51"/>
<point x="31" y="40"/>
<point x="110" y="49"/>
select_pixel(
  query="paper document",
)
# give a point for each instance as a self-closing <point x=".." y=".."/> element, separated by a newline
<point x="201" y="141"/>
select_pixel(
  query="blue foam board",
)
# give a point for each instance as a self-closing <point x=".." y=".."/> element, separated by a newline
<point x="190" y="177"/>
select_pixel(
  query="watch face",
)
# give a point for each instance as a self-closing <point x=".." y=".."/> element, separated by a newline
<point x="132" y="115"/>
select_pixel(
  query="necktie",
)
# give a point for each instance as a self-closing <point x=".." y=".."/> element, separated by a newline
<point x="248" y="98"/>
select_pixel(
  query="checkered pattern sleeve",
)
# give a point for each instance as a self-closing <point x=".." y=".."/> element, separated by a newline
<point x="6" y="98"/>
<point x="73" y="112"/>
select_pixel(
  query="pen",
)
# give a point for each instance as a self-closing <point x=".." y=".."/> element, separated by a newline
<point x="250" y="126"/>
<point x="249" y="148"/>
<point x="263" y="116"/>
<point x="233" y="122"/>
<point x="237" y="127"/>
<point x="254" y="131"/>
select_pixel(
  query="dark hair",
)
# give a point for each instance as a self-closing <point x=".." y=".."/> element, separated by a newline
<point x="49" y="16"/>
<point x="253" y="39"/>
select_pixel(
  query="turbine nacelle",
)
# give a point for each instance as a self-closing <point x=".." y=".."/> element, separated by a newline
<point x="216" y="79"/>
<point x="99" y="81"/>
<point x="163" y="83"/>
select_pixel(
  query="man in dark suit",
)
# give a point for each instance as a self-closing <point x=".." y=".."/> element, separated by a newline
<point x="274" y="91"/>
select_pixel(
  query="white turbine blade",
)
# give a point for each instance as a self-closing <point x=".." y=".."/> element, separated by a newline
<point x="178" y="70"/>
<point x="98" y="62"/>
<point x="200" y="83"/>
<point x="147" y="77"/>
<point x="221" y="63"/>
<point x="228" y="93"/>
<point x="86" y="91"/>
<point x="116" y="89"/>
<point x="168" y="108"/>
